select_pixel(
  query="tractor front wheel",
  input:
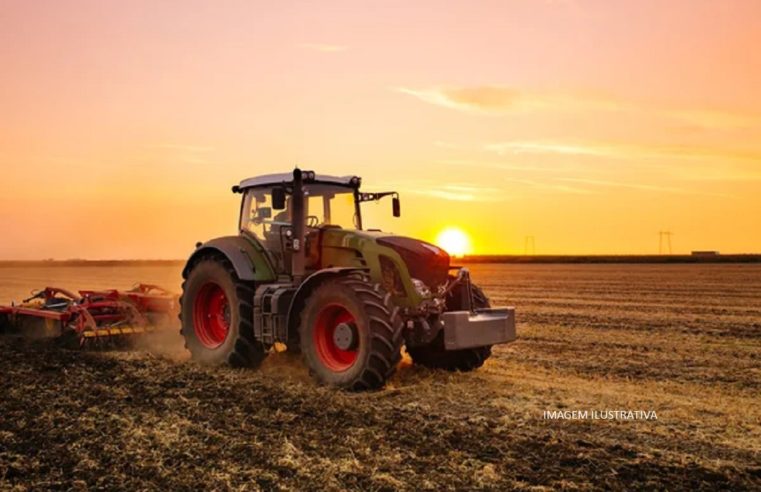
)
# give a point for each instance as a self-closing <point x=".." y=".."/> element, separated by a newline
<point x="350" y="333"/>
<point x="435" y="356"/>
<point x="217" y="316"/>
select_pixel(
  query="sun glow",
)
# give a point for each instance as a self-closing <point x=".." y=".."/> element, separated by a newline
<point x="455" y="241"/>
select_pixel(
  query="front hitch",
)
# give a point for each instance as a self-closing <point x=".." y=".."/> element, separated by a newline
<point x="466" y="293"/>
<point x="472" y="327"/>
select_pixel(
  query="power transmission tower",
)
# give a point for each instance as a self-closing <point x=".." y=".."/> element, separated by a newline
<point x="529" y="246"/>
<point x="661" y="243"/>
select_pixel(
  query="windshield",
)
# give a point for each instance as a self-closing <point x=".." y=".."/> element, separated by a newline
<point x="325" y="205"/>
<point x="331" y="205"/>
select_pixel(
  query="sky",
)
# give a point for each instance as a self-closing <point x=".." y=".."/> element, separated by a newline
<point x="588" y="125"/>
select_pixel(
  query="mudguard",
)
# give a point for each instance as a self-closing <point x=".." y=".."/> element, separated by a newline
<point x="248" y="258"/>
<point x="297" y="303"/>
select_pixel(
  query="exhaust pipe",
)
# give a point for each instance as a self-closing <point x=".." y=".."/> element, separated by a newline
<point x="298" y="256"/>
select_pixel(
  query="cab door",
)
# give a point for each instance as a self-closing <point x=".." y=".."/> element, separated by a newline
<point x="271" y="228"/>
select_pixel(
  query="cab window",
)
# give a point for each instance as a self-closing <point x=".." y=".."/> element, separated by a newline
<point x="260" y="218"/>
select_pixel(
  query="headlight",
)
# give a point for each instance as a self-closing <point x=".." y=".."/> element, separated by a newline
<point x="420" y="287"/>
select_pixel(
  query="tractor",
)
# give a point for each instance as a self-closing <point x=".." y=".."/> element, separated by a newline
<point x="303" y="273"/>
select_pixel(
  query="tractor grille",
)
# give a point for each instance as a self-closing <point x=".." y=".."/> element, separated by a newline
<point x="424" y="261"/>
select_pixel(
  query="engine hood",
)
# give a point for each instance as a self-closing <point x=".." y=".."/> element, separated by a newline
<point x="425" y="261"/>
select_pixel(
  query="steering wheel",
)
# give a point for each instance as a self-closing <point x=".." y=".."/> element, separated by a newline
<point x="313" y="221"/>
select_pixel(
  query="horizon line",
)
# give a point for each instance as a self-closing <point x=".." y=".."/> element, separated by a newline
<point x="703" y="256"/>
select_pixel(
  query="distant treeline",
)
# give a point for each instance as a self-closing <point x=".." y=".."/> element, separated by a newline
<point x="740" y="258"/>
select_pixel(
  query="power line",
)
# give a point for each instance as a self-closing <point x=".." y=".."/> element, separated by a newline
<point x="529" y="246"/>
<point x="667" y="243"/>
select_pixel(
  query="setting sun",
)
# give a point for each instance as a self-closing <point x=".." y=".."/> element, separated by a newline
<point x="455" y="241"/>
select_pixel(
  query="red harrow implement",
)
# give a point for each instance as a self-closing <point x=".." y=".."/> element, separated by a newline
<point x="92" y="317"/>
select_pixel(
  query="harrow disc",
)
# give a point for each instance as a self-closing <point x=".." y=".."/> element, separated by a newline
<point x="92" y="319"/>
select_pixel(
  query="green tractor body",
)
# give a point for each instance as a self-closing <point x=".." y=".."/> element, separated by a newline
<point x="303" y="273"/>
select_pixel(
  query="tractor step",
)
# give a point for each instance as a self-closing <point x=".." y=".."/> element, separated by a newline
<point x="271" y="305"/>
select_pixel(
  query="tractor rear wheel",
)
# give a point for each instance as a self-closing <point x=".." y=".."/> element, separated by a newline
<point x="217" y="316"/>
<point x="351" y="333"/>
<point x="435" y="356"/>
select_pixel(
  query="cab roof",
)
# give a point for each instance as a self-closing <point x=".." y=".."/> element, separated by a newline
<point x="280" y="178"/>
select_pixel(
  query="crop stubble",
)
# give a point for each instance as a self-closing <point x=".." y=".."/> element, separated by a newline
<point x="683" y="340"/>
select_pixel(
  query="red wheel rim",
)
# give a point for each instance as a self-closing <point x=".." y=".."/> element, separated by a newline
<point x="332" y="356"/>
<point x="211" y="318"/>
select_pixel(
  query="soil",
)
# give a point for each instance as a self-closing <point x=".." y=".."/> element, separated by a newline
<point x="149" y="418"/>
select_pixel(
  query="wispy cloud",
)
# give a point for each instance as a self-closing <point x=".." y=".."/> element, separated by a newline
<point x="564" y="179"/>
<point x="502" y="166"/>
<point x="717" y="173"/>
<point x="446" y="195"/>
<point x="480" y="193"/>
<point x="624" y="184"/>
<point x="460" y="192"/>
<point x="623" y="151"/>
<point x="643" y="187"/>
<point x="498" y="99"/>
<point x="484" y="99"/>
<point x="503" y="99"/>
<point x="323" y="47"/>
<point x="551" y="186"/>
<point x="562" y="148"/>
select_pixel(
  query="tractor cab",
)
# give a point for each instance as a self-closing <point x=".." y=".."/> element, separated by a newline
<point x="268" y="213"/>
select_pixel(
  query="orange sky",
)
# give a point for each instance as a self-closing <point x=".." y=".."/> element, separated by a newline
<point x="590" y="125"/>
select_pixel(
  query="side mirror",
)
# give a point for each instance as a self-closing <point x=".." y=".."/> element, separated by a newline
<point x="278" y="198"/>
<point x="396" y="206"/>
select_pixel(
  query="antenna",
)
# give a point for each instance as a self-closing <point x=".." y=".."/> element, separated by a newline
<point x="661" y="243"/>
<point x="529" y="246"/>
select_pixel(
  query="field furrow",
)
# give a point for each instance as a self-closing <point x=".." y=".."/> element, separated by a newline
<point x="683" y="341"/>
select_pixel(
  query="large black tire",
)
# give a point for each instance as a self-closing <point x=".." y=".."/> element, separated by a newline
<point x="435" y="356"/>
<point x="217" y="315"/>
<point x="366" y="311"/>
